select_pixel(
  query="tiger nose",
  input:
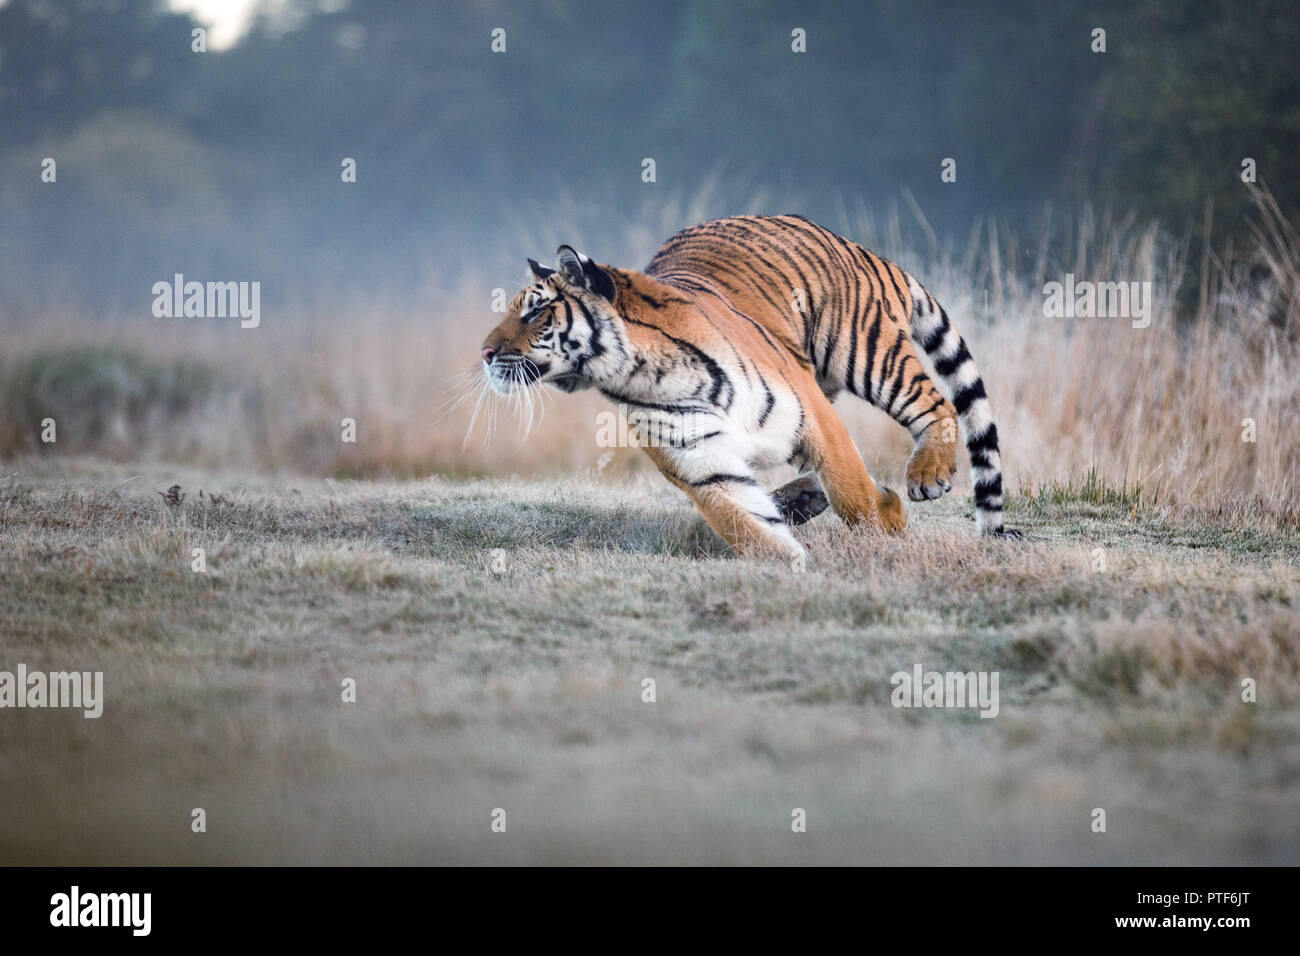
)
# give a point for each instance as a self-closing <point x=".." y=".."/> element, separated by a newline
<point x="487" y="355"/>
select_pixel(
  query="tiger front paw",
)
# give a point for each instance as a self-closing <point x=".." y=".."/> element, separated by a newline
<point x="801" y="500"/>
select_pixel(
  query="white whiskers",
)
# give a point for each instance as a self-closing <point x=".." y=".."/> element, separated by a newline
<point x="525" y="401"/>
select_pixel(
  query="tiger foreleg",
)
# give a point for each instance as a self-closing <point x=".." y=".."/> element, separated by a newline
<point x="734" y="504"/>
<point x="747" y="518"/>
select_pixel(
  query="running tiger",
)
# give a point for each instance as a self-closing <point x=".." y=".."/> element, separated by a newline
<point x="731" y="346"/>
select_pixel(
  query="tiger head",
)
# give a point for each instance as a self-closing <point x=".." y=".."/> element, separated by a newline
<point x="563" y="330"/>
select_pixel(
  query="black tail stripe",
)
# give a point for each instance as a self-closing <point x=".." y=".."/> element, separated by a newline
<point x="982" y="443"/>
<point x="945" y="367"/>
<point x="968" y="396"/>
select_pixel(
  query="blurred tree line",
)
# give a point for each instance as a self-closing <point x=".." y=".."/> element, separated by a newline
<point x="228" y="162"/>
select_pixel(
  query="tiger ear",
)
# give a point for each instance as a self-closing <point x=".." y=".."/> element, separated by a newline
<point x="578" y="270"/>
<point x="539" y="271"/>
<point x="570" y="264"/>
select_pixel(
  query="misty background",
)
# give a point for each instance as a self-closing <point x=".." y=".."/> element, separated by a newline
<point x="351" y="487"/>
<point x="225" y="165"/>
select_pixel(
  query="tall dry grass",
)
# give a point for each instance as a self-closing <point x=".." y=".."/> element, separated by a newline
<point x="1161" y="409"/>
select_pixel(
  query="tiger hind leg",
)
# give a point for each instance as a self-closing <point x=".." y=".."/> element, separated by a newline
<point x="933" y="461"/>
<point x="887" y="372"/>
<point x="852" y="493"/>
<point x="909" y="395"/>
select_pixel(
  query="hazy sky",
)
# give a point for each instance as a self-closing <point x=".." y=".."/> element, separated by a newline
<point x="228" y="20"/>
